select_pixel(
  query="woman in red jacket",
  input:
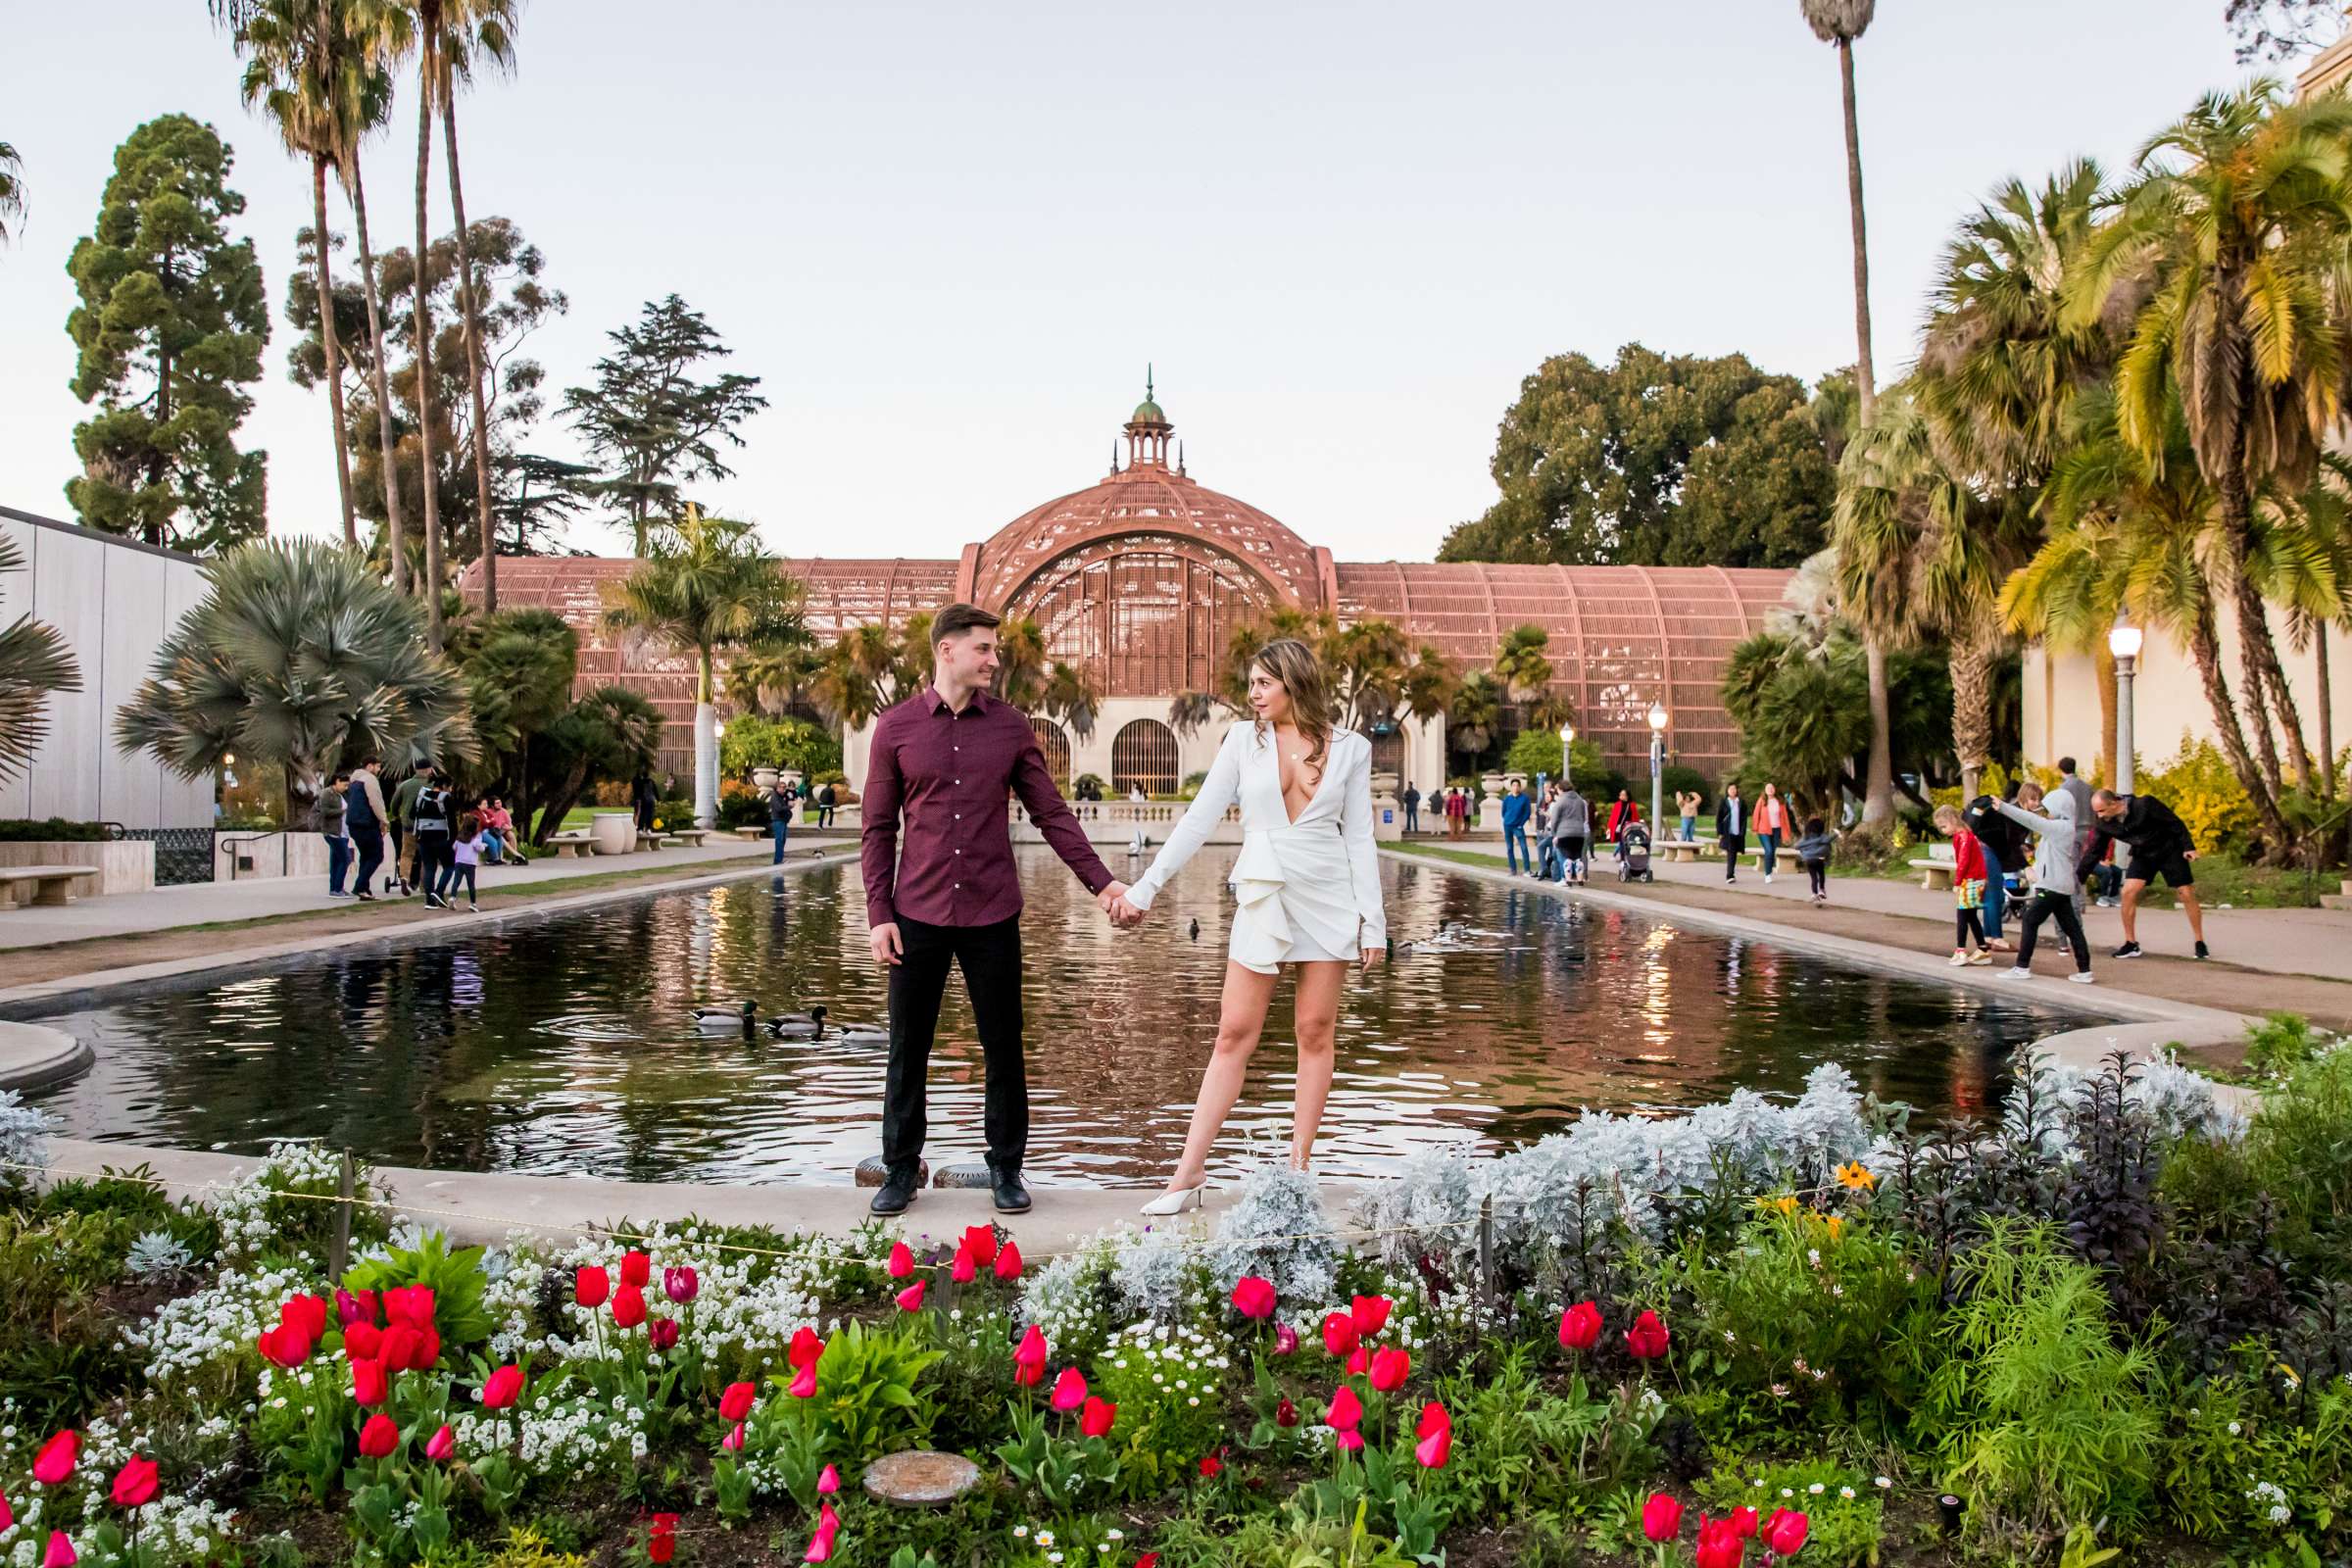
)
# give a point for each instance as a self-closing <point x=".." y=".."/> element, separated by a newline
<point x="1968" y="889"/>
<point x="1621" y="811"/>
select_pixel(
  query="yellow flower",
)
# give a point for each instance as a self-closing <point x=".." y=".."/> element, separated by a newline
<point x="1856" y="1176"/>
<point x="1836" y="1225"/>
<point x="1786" y="1206"/>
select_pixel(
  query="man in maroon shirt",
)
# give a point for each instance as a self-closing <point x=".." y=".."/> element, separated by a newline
<point x="943" y="760"/>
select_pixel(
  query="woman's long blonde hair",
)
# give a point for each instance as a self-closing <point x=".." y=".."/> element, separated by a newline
<point x="1294" y="667"/>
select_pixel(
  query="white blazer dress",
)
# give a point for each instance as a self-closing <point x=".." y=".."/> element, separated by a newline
<point x="1308" y="889"/>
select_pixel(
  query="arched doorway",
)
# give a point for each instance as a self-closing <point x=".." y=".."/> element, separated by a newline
<point x="1056" y="745"/>
<point x="1144" y="752"/>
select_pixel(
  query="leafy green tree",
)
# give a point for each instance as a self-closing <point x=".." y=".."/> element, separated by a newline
<point x="610" y="734"/>
<point x="649" y="422"/>
<point x="297" y="655"/>
<point x="519" y="666"/>
<point x="12" y="192"/>
<point x="708" y="585"/>
<point x="33" y="663"/>
<point x="751" y="741"/>
<point x="769" y="678"/>
<point x="1653" y="460"/>
<point x="169" y="329"/>
<point x="535" y="496"/>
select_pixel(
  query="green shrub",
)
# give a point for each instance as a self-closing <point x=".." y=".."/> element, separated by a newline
<point x="754" y="741"/>
<point x="61" y="1354"/>
<point x="2249" y="1465"/>
<point x="2301" y="1150"/>
<point x="2281" y="1042"/>
<point x="51" y="829"/>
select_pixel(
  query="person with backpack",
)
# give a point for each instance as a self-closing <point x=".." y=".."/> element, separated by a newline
<point x="429" y="826"/>
<point x="825" y="799"/>
<point x="782" y="798"/>
<point x="364" y="818"/>
<point x="1813" y="850"/>
<point x="404" y="828"/>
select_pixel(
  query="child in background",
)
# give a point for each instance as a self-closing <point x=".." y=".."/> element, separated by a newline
<point x="1968" y="889"/>
<point x="464" y="853"/>
<point x="1813" y="854"/>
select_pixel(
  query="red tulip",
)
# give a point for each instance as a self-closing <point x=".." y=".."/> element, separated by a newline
<point x="1008" y="1261"/>
<point x="1150" y="1560"/>
<point x="1648" y="1338"/>
<point x="665" y="1524"/>
<point x="380" y="1437"/>
<point x="55" y="1461"/>
<point x="442" y="1444"/>
<point x="1338" y="1335"/>
<point x="1069" y="1389"/>
<point x="660" y="1546"/>
<point x="1286" y="1340"/>
<point x="60" y="1554"/>
<point x="964" y="1269"/>
<point x="397" y="1347"/>
<point x="354" y="1306"/>
<point x="902" y="1261"/>
<point x="1253" y="1298"/>
<point x="1662" y="1517"/>
<point x="134" y="1482"/>
<point x="636" y="1269"/>
<point x="803" y="1382"/>
<point x="1435" y="1431"/>
<point x="1580" y="1326"/>
<point x="1745" y="1521"/>
<point x="1720" y="1544"/>
<point x="1359" y="1361"/>
<point x="733" y="1441"/>
<point x="285" y="1346"/>
<point x="828" y="1482"/>
<point x="981" y="1242"/>
<point x="1371" y="1314"/>
<point x="8" y="1517"/>
<point x="1349" y="1441"/>
<point x="1346" y="1411"/>
<point x="737" y="1401"/>
<point x="362" y="1341"/>
<point x="1094" y="1419"/>
<point x="804" y="1349"/>
<point x="1211" y="1467"/>
<point x="591" y="1285"/>
<point x="412" y="1304"/>
<point x="310" y="1311"/>
<point x="820" y="1545"/>
<point x="1029" y="1358"/>
<point x="629" y="1306"/>
<point x="501" y="1388"/>
<point x="1389" y="1368"/>
<point x="1785" y="1532"/>
<point x="681" y="1284"/>
<point x="911" y="1299"/>
<point x="662" y="1334"/>
<point x="368" y="1383"/>
<point x="1285" y="1414"/>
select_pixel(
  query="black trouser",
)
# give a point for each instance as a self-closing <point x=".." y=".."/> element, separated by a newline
<point x="2054" y="904"/>
<point x="433" y="854"/>
<point x="369" y="843"/>
<point x="1817" y="873"/>
<point x="1967" y="923"/>
<point x="991" y="958"/>
<point x="1734" y="846"/>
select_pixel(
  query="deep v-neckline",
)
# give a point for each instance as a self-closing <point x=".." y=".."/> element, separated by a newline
<point x="1281" y="795"/>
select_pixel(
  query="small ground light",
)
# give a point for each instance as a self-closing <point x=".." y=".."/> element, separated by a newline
<point x="1949" y="1508"/>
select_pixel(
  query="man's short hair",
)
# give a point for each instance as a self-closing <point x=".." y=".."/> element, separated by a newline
<point x="2066" y="764"/>
<point x="370" y="761"/>
<point x="341" y="774"/>
<point x="955" y="619"/>
<point x="2104" y="796"/>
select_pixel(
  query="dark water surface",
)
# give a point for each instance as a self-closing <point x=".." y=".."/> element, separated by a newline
<point x="565" y="1045"/>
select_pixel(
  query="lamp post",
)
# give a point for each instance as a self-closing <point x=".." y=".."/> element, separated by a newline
<point x="2123" y="643"/>
<point x="1657" y="765"/>
<point x="1567" y="762"/>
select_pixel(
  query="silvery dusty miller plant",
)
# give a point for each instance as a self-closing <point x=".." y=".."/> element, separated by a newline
<point x="1277" y="1230"/>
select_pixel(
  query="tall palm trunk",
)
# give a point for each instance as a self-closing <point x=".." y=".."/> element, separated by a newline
<point x="1972" y="703"/>
<point x="2102" y="671"/>
<point x="395" y="534"/>
<point x="2319" y="656"/>
<point x="2205" y="649"/>
<point x="470" y="308"/>
<point x="2236" y="530"/>
<point x="1878" y="782"/>
<point x="424" y="341"/>
<point x="334" y="358"/>
<point x="2259" y="649"/>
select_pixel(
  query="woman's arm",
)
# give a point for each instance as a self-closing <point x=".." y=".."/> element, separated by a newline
<point x="1363" y="857"/>
<point x="1219" y="790"/>
<point x="2045" y="825"/>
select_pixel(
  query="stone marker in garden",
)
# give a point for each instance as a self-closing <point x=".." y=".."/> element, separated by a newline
<point x="920" y="1478"/>
<point x="972" y="1177"/>
<point x="871" y="1172"/>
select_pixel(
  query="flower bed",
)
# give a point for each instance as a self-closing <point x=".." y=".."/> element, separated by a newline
<point x="1761" y="1331"/>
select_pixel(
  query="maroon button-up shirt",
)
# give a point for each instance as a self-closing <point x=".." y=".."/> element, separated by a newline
<point x="947" y="773"/>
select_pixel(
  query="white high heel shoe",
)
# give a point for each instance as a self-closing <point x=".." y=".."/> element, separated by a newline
<point x="1170" y="1203"/>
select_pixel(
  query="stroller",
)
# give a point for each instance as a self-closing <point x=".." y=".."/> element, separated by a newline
<point x="1633" y="854"/>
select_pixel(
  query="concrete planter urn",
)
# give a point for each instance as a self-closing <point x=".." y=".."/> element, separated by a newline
<point x="1490" y="803"/>
<point x="763" y="779"/>
<point x="613" y="832"/>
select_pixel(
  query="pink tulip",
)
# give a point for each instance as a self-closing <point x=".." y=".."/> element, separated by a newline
<point x="1253" y="1298"/>
<point x="442" y="1444"/>
<point x="828" y="1482"/>
<point x="1029" y="1358"/>
<point x="1286" y="1340"/>
<point x="902" y="1261"/>
<point x="803" y="1382"/>
<point x="681" y="1284"/>
<point x="1435" y="1431"/>
<point x="59" y="1552"/>
<point x="733" y="1441"/>
<point x="1349" y="1441"/>
<point x="1008" y="1261"/>
<point x="820" y="1545"/>
<point x="911" y="1299"/>
<point x="1359" y="1361"/>
<point x="1069" y="1389"/>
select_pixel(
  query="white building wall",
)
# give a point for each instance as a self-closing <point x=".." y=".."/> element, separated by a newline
<point x="113" y="601"/>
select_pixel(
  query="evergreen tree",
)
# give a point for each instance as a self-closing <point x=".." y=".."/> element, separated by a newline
<point x="12" y="191"/>
<point x="171" y="329"/>
<point x="649" y="422"/>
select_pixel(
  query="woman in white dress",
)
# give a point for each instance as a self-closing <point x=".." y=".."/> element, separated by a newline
<point x="1308" y="885"/>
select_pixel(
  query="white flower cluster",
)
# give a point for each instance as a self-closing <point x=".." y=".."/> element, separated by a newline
<point x="1182" y="1363"/>
<point x="1277" y="1230"/>
<point x="1067" y="1297"/>
<point x="174" y="1529"/>
<point x="213" y="1328"/>
<point x="575" y="1430"/>
<point x="2272" y="1499"/>
<point x="244" y="1210"/>
<point x="23" y="1136"/>
<point x="1557" y="1192"/>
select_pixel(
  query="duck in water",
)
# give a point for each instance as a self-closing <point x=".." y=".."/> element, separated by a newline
<point x="727" y="1020"/>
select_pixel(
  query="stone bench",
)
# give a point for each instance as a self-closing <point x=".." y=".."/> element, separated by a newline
<point x="1686" y="848"/>
<point x="648" y="839"/>
<point x="691" y="837"/>
<point x="579" y="843"/>
<point x="749" y="835"/>
<point x="1936" y="868"/>
<point x="50" y="885"/>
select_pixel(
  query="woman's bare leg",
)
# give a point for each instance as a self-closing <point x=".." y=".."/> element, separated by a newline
<point x="1318" y="1016"/>
<point x="1241" y="1020"/>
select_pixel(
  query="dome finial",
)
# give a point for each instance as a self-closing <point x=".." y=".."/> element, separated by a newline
<point x="1148" y="395"/>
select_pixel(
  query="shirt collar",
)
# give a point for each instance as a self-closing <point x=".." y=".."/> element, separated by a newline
<point x="935" y="704"/>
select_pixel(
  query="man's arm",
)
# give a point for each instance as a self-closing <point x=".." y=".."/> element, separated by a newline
<point x="1034" y="784"/>
<point x="879" y="844"/>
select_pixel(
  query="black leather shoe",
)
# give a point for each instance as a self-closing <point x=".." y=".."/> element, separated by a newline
<point x="894" y="1196"/>
<point x="1010" y="1195"/>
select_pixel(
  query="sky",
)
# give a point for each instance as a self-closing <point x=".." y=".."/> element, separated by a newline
<point x="949" y="237"/>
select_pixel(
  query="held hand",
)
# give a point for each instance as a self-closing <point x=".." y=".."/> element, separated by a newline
<point x="1127" y="915"/>
<point x="887" y="947"/>
<point x="1373" y="955"/>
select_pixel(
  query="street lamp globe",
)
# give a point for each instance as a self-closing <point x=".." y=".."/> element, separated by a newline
<point x="2124" y="641"/>
<point x="1658" y="716"/>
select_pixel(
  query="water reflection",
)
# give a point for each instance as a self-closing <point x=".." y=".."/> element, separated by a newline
<point x="568" y="1046"/>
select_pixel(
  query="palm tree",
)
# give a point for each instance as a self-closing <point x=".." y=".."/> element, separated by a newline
<point x="1474" y="714"/>
<point x="783" y="671"/>
<point x="1070" y="695"/>
<point x="473" y="30"/>
<point x="12" y="191"/>
<point x="297" y="655"/>
<point x="33" y="663"/>
<point x="427" y="22"/>
<point x="2229" y="242"/>
<point x="1840" y="23"/>
<point x="707" y="585"/>
<point x="1890" y="494"/>
<point x="1021" y="661"/>
<point x="843" y="692"/>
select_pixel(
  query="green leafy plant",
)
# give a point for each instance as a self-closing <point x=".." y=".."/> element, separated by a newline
<point x="456" y="1279"/>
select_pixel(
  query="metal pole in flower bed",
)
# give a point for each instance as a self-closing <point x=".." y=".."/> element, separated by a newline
<point x="1486" y="1258"/>
<point x="338" y="1255"/>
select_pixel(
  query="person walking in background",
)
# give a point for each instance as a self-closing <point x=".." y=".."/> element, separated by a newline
<point x="1813" y="850"/>
<point x="1572" y="832"/>
<point x="404" y="826"/>
<point x="644" y="800"/>
<point x="1772" y="826"/>
<point x="2085" y="823"/>
<point x="464" y="854"/>
<point x="1546" y="850"/>
<point x="2002" y="843"/>
<point x="333" y="815"/>
<point x="1731" y="830"/>
<point x="781" y="798"/>
<point x="1458" y="813"/>
<point x="2160" y="847"/>
<point x="430" y="828"/>
<point x="1412" y="808"/>
<point x="1968" y="889"/>
<point x="1621" y="811"/>
<point x="1515" y="808"/>
<point x="2056" y="848"/>
<point x="1687" y="803"/>
<point x="364" y="818"/>
<point x="825" y="799"/>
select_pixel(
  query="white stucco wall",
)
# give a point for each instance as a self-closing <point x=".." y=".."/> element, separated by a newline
<point x="112" y="601"/>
